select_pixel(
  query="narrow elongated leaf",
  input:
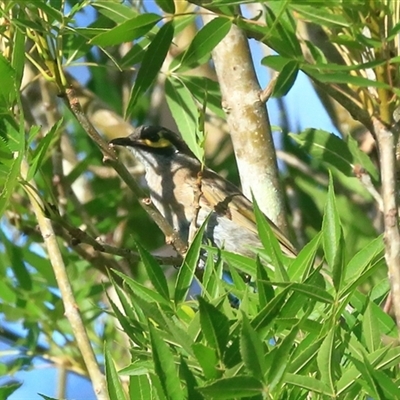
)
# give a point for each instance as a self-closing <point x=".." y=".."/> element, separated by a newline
<point x="309" y="384"/>
<point x="335" y="152"/>
<point x="303" y="264"/>
<point x="251" y="349"/>
<point x="325" y="360"/>
<point x="191" y="383"/>
<point x="166" y="5"/>
<point x="114" y="385"/>
<point x="127" y="31"/>
<point x="286" y="79"/>
<point x="264" y="318"/>
<point x="10" y="167"/>
<point x="321" y="15"/>
<point x="231" y="388"/>
<point x="359" y="263"/>
<point x="304" y="356"/>
<point x="333" y="238"/>
<point x="348" y="79"/>
<point x="151" y="64"/>
<point x="312" y="291"/>
<point x="154" y="271"/>
<point x="185" y="113"/>
<point x="41" y="151"/>
<point x="8" y="90"/>
<point x="371" y="333"/>
<point x="214" y="325"/>
<point x="208" y="360"/>
<point x="281" y="358"/>
<point x="116" y="11"/>
<point x="140" y="387"/>
<point x="188" y="267"/>
<point x="164" y="366"/>
<point x="144" y="292"/>
<point x="204" y="42"/>
<point x="270" y="242"/>
<point x="199" y="85"/>
<point x="265" y="291"/>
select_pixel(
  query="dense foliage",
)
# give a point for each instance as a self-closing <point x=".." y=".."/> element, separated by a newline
<point x="317" y="326"/>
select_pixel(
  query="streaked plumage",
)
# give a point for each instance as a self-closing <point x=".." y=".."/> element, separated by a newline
<point x="171" y="175"/>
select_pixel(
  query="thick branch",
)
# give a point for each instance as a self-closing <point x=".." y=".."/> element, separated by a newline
<point x="386" y="142"/>
<point x="249" y="124"/>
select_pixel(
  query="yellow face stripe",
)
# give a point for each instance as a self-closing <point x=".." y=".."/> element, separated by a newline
<point x="161" y="143"/>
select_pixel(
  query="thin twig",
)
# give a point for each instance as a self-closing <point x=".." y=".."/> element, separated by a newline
<point x="172" y="236"/>
<point x="366" y="181"/>
<point x="386" y="143"/>
<point x="266" y="93"/>
<point x="67" y="295"/>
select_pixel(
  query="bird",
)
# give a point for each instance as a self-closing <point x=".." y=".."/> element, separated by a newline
<point x="172" y="176"/>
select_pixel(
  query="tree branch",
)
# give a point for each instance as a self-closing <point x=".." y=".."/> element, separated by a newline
<point x="67" y="295"/>
<point x="386" y="143"/>
<point x="249" y="125"/>
<point x="172" y="237"/>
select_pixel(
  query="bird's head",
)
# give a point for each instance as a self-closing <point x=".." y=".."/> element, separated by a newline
<point x="154" y="140"/>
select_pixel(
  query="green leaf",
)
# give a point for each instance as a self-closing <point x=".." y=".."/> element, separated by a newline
<point x="265" y="291"/>
<point x="154" y="271"/>
<point x="370" y="329"/>
<point x="333" y="238"/>
<point x="344" y="78"/>
<point x="164" y="366"/>
<point x="252" y="350"/>
<point x="270" y="242"/>
<point x="127" y="31"/>
<point x="7" y="389"/>
<point x="10" y="169"/>
<point x="232" y="388"/>
<point x="167" y="6"/>
<point x="17" y="264"/>
<point x="18" y="53"/>
<point x="41" y="151"/>
<point x="321" y="15"/>
<point x="357" y="266"/>
<point x="198" y="86"/>
<point x="8" y="90"/>
<point x="311" y="291"/>
<point x="214" y="325"/>
<point x="114" y="385"/>
<point x="185" y="113"/>
<point x="244" y="264"/>
<point x="140" y="388"/>
<point x="281" y="358"/>
<point x="303" y="264"/>
<point x="334" y="152"/>
<point x="325" y="360"/>
<point x="208" y="360"/>
<point x="204" y="42"/>
<point x="286" y="79"/>
<point x="265" y="317"/>
<point x="305" y="353"/>
<point x="151" y="64"/>
<point x="144" y="292"/>
<point x="309" y="384"/>
<point x="115" y="11"/>
<point x="188" y="267"/>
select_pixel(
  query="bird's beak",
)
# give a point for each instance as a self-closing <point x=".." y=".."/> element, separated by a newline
<point x="122" y="141"/>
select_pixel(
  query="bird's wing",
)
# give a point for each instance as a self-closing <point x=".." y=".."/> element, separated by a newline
<point x="226" y="199"/>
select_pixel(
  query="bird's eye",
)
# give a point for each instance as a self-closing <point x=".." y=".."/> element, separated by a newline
<point x="154" y="137"/>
